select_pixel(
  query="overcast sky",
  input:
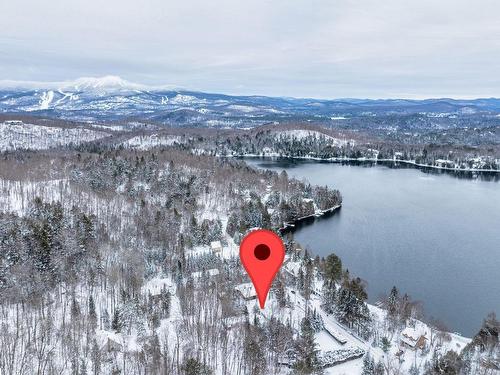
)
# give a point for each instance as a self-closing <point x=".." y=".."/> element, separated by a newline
<point x="301" y="48"/>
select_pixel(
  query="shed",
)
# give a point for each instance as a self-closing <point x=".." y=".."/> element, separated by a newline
<point x="247" y="291"/>
<point x="216" y="246"/>
<point x="109" y="341"/>
<point x="207" y="273"/>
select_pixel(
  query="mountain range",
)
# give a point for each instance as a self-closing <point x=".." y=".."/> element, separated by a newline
<point x="111" y="98"/>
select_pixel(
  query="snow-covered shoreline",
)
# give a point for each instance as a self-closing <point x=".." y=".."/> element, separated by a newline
<point x="290" y="225"/>
<point x="362" y="159"/>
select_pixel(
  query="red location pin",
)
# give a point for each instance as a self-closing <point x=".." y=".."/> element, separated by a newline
<point x="262" y="253"/>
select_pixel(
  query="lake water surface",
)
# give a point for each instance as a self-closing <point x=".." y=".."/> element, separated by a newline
<point x="433" y="235"/>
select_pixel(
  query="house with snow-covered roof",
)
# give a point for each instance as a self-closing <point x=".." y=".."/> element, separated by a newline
<point x="246" y="291"/>
<point x="207" y="273"/>
<point x="413" y="338"/>
<point x="109" y="341"/>
<point x="292" y="268"/>
<point x="216" y="247"/>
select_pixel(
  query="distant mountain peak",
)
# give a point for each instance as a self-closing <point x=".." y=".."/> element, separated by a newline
<point x="102" y="84"/>
<point x="105" y="82"/>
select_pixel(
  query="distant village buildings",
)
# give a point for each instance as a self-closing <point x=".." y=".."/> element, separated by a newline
<point x="13" y="122"/>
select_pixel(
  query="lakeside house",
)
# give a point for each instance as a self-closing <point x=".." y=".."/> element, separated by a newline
<point x="441" y="163"/>
<point x="398" y="155"/>
<point x="413" y="338"/>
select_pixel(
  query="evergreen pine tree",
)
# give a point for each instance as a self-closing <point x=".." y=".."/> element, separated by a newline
<point x="333" y="268"/>
<point x="280" y="293"/>
<point x="105" y="320"/>
<point x="95" y="357"/>
<point x="379" y="368"/>
<point x="368" y="365"/>
<point x="253" y="350"/>
<point x="316" y="320"/>
<point x="307" y="277"/>
<point x="307" y="352"/>
<point x="414" y="370"/>
<point x="328" y="298"/>
<point x="75" y="309"/>
<point x="392" y="304"/>
<point x="385" y="344"/>
<point x="92" y="313"/>
<point x="192" y="366"/>
<point x="165" y="302"/>
<point x="83" y="367"/>
<point x="116" y="324"/>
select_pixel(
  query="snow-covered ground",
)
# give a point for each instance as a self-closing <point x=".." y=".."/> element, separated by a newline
<point x="335" y="341"/>
<point x="301" y="134"/>
<point x="145" y="142"/>
<point x="15" y="196"/>
<point x="20" y="136"/>
<point x="335" y="335"/>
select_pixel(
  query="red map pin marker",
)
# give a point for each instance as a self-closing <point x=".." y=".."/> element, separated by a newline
<point x="262" y="253"/>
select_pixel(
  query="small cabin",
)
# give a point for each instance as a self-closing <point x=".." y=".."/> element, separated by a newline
<point x="109" y="341"/>
<point x="246" y="291"/>
<point x="444" y="163"/>
<point x="413" y="338"/>
<point x="233" y="321"/>
<point x="292" y="268"/>
<point x="211" y="273"/>
<point x="13" y="122"/>
<point x="216" y="247"/>
<point x="112" y="345"/>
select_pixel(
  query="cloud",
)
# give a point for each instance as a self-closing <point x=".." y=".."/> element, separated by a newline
<point x="317" y="48"/>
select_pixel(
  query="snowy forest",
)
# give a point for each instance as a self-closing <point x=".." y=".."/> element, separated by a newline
<point x="328" y="143"/>
<point x="119" y="255"/>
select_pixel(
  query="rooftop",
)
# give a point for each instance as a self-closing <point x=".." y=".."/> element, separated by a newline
<point x="247" y="290"/>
